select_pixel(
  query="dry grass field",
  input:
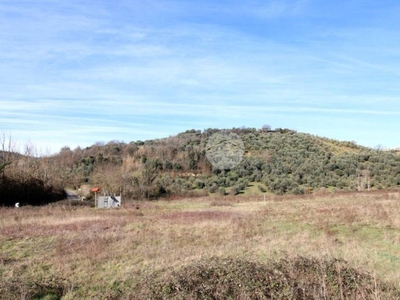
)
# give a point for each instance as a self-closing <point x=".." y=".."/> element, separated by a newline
<point x="209" y="248"/>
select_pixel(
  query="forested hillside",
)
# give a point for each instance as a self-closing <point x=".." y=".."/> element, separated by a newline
<point x="277" y="161"/>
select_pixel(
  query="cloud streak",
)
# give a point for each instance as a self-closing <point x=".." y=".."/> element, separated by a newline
<point x="136" y="70"/>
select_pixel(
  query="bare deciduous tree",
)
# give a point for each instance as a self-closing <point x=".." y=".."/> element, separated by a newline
<point x="266" y="127"/>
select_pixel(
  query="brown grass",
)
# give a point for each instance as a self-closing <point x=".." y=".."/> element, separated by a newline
<point x="97" y="254"/>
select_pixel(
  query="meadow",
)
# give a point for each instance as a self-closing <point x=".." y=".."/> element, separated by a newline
<point x="331" y="246"/>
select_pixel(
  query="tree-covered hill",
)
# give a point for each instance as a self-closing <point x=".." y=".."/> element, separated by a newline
<point x="281" y="161"/>
<point x="278" y="161"/>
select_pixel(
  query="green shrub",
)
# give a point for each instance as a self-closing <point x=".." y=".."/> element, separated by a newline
<point x="213" y="188"/>
<point x="261" y="189"/>
<point x="221" y="191"/>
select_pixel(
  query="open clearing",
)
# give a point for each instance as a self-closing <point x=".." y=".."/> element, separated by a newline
<point x="83" y="253"/>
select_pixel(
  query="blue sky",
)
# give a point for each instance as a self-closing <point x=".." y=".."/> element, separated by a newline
<point x="80" y="72"/>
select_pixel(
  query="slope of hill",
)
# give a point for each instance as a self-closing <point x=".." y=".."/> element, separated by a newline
<point x="281" y="161"/>
<point x="277" y="161"/>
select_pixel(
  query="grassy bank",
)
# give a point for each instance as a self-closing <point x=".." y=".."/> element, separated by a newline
<point x="81" y="252"/>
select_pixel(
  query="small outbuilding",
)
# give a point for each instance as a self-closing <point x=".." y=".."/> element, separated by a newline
<point x="108" y="201"/>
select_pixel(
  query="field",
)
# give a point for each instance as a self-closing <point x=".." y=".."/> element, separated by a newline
<point x="346" y="245"/>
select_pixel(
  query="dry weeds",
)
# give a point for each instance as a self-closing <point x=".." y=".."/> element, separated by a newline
<point x="105" y="253"/>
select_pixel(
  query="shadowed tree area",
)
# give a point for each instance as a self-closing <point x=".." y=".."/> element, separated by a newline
<point x="25" y="178"/>
<point x="28" y="192"/>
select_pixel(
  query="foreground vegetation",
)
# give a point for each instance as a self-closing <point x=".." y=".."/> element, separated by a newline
<point x="335" y="246"/>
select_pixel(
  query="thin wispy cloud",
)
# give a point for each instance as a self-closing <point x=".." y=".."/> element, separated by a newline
<point x="78" y="72"/>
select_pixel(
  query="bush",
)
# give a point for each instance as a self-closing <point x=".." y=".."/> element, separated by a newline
<point x="213" y="188"/>
<point x="235" y="190"/>
<point x="297" y="191"/>
<point x="47" y="288"/>
<point x="199" y="184"/>
<point x="234" y="278"/>
<point x="261" y="189"/>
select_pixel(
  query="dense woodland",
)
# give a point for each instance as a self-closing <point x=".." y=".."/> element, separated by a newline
<point x="277" y="161"/>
